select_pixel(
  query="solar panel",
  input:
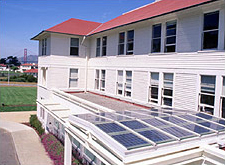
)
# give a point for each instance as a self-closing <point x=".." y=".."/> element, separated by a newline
<point x="174" y="120"/>
<point x="129" y="140"/>
<point x="132" y="114"/>
<point x="178" y="132"/>
<point x="114" y="116"/>
<point x="133" y="124"/>
<point x="110" y="127"/>
<point x="92" y="118"/>
<point x="209" y="117"/>
<point x="198" y="129"/>
<point x="155" y="122"/>
<point x="202" y="122"/>
<point x="156" y="136"/>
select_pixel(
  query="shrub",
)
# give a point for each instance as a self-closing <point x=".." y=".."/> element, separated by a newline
<point x="34" y="122"/>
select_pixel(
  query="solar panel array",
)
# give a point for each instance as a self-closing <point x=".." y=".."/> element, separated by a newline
<point x="149" y="127"/>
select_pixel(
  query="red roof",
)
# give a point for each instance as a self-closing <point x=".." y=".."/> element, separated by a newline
<point x="75" y="26"/>
<point x="29" y="64"/>
<point x="149" y="11"/>
<point x="2" y="65"/>
<point x="31" y="71"/>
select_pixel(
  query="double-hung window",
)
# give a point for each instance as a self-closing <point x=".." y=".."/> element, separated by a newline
<point x="170" y="40"/>
<point x="130" y="42"/>
<point x="104" y="46"/>
<point x="167" y="97"/>
<point x="44" y="76"/>
<point x="207" y="94"/>
<point x="97" y="79"/>
<point x="74" y="46"/>
<point x="156" y="38"/>
<point x="154" y="87"/>
<point x="100" y="79"/>
<point x="102" y="85"/>
<point x="44" y="47"/>
<point x="211" y="30"/>
<point x="128" y="84"/>
<point x="98" y="47"/>
<point x="121" y="43"/>
<point x="223" y="99"/>
<point x="73" y="79"/>
<point x="120" y="82"/>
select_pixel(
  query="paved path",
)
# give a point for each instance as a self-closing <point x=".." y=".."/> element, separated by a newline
<point x="18" y="85"/>
<point x="19" y="117"/>
<point x="7" y="149"/>
<point x="28" y="146"/>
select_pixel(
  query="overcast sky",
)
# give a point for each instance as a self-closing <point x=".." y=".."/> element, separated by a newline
<point x="20" y="20"/>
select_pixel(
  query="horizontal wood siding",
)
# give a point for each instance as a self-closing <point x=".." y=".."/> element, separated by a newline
<point x="185" y="91"/>
<point x="58" y="77"/>
<point x="140" y="86"/>
<point x="110" y="87"/>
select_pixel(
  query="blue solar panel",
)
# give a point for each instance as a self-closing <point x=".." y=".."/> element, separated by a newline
<point x="155" y="122"/>
<point x="114" y="116"/>
<point x="133" y="124"/>
<point x="209" y="117"/>
<point x="174" y="120"/>
<point x="203" y="122"/>
<point x="156" y="136"/>
<point x="198" y="129"/>
<point x="130" y="140"/>
<point x="110" y="127"/>
<point x="178" y="132"/>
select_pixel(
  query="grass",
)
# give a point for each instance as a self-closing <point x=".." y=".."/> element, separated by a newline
<point x="18" y="98"/>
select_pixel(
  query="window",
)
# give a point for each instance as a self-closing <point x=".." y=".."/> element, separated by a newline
<point x="102" y="87"/>
<point x="128" y="84"/>
<point x="104" y="45"/>
<point x="74" y="46"/>
<point x="207" y="94"/>
<point x="170" y="42"/>
<point x="97" y="79"/>
<point x="42" y="113"/>
<point x="44" y="70"/>
<point x="130" y="42"/>
<point x="100" y="79"/>
<point x="154" y="87"/>
<point x="73" y="79"/>
<point x="121" y="43"/>
<point x="98" y="47"/>
<point x="211" y="30"/>
<point x="167" y="97"/>
<point x="89" y="155"/>
<point x="120" y="82"/>
<point x="223" y="99"/>
<point x="44" y="47"/>
<point x="156" y="38"/>
<point x="76" y="143"/>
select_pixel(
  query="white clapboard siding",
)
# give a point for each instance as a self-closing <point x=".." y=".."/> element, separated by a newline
<point x="140" y="85"/>
<point x="185" y="91"/>
<point x="91" y="79"/>
<point x="110" y="86"/>
<point x="81" y="78"/>
<point x="57" y="77"/>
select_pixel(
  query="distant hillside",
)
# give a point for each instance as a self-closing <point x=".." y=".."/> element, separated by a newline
<point x="30" y="59"/>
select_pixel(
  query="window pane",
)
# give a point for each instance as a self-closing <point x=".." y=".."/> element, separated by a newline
<point x="103" y="74"/>
<point x="168" y="92"/>
<point x="74" y="51"/>
<point x="211" y="21"/>
<point x="130" y="36"/>
<point x="168" y="76"/>
<point x="98" y="42"/>
<point x="97" y="73"/>
<point x="104" y="41"/>
<point x="74" y="42"/>
<point x="74" y="73"/>
<point x="154" y="76"/>
<point x="154" y="92"/>
<point x="210" y="40"/>
<point x="130" y="46"/>
<point x="170" y="48"/>
<point x="223" y="108"/>
<point x="120" y="76"/>
<point x="73" y="82"/>
<point x="167" y="101"/>
<point x="208" y="79"/>
<point x="156" y="45"/>
<point x="121" y="49"/>
<point x="156" y="31"/>
<point x="171" y="32"/>
<point x="98" y="52"/>
<point x="206" y="99"/>
<point x="129" y="74"/>
<point x="223" y="86"/>
<point x="103" y="51"/>
<point x="171" y="40"/>
<point x="122" y="37"/>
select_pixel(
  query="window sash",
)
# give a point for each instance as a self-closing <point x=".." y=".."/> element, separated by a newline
<point x="130" y="42"/>
<point x="171" y="30"/>
<point x="121" y="43"/>
<point x="156" y="46"/>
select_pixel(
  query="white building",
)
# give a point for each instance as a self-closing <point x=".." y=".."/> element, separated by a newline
<point x="168" y="54"/>
<point x="27" y="66"/>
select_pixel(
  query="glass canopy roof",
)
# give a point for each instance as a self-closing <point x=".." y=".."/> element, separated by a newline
<point x="150" y="127"/>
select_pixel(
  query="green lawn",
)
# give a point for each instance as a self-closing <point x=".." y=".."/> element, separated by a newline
<point x="15" y="97"/>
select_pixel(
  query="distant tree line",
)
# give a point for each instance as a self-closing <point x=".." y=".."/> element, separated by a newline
<point x="10" y="61"/>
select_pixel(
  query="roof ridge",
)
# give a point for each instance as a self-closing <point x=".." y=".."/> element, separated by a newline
<point x="95" y="29"/>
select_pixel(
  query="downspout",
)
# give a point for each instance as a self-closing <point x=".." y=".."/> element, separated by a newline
<point x="86" y="64"/>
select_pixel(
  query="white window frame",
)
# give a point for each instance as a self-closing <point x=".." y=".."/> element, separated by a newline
<point x="104" y="46"/>
<point x="222" y="98"/>
<point x="122" y="43"/>
<point x="129" y="42"/>
<point x="125" y="43"/>
<point x="98" y="47"/>
<point x="155" y="84"/>
<point x="76" y="78"/>
<point x="205" y="31"/>
<point x="71" y="46"/>
<point x="168" y="88"/>
<point x="100" y="79"/>
<point x="165" y="44"/>
<point x="97" y="79"/>
<point x="124" y="84"/>
<point x="44" y="76"/>
<point x="101" y="46"/>
<point x="158" y="24"/>
<point x="44" y="47"/>
<point x="202" y="105"/>
<point x="120" y="84"/>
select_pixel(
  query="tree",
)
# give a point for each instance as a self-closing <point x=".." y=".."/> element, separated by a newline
<point x="3" y="61"/>
<point x="13" y="61"/>
<point x="14" y="68"/>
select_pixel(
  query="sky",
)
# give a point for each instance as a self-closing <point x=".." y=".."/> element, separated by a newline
<point x="20" y="20"/>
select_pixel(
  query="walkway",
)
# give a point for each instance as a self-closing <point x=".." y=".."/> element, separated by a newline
<point x="19" y="117"/>
<point x="28" y="147"/>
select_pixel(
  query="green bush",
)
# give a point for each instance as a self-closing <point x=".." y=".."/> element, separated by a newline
<point x="34" y="122"/>
<point x="31" y="78"/>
